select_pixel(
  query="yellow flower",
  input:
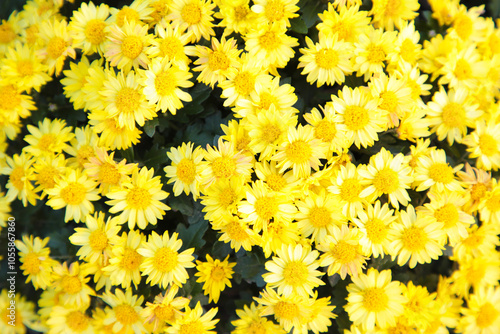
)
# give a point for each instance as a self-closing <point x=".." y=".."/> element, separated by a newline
<point x="58" y="44"/>
<point x="277" y="235"/>
<point x="49" y="138"/>
<point x="480" y="241"/>
<point x="71" y="283"/>
<point x="215" y="275"/>
<point x="113" y="136"/>
<point x="477" y="183"/>
<point x="484" y="145"/>
<point x="25" y="315"/>
<point x="185" y="170"/>
<point x="374" y="299"/>
<point x="14" y="105"/>
<point x="467" y="24"/>
<point x="125" y="312"/>
<point x="271" y="11"/>
<point x="408" y="49"/>
<point x="251" y="320"/>
<point x="235" y="231"/>
<point x="434" y="172"/>
<point x="223" y="197"/>
<point x="70" y="319"/>
<point x="482" y="313"/>
<point x="75" y="79"/>
<point x="10" y="30"/>
<point x="194" y="16"/>
<point x="82" y="147"/>
<point x="420" y="306"/>
<point x="348" y="22"/>
<point x="166" y="309"/>
<point x="489" y="206"/>
<point x="163" y="264"/>
<point x="476" y="273"/>
<point x="463" y="69"/>
<point x="392" y="13"/>
<point x="170" y="43"/>
<point x="235" y="16"/>
<point x="138" y="11"/>
<point x="88" y="28"/>
<point x="194" y="321"/>
<point x="20" y="171"/>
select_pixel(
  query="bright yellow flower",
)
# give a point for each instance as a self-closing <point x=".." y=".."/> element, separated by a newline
<point x="138" y="11"/>
<point x="49" y="138"/>
<point x="25" y="315"/>
<point x="480" y="241"/>
<point x="279" y="234"/>
<point x="185" y="169"/>
<point x="10" y="30"/>
<point x="194" y="16"/>
<point x="20" y="171"/>
<point x="476" y="273"/>
<point x="477" y="183"/>
<point x="71" y="283"/>
<point x="113" y="136"/>
<point x="482" y="313"/>
<point x="70" y="319"/>
<point x="215" y="275"/>
<point x="14" y="105"/>
<point x="432" y="171"/>
<point x="271" y="11"/>
<point x="166" y="309"/>
<point x="194" y="321"/>
<point x="251" y="320"/>
<point x="88" y="28"/>
<point x="223" y="197"/>
<point x="392" y="13"/>
<point x="484" y="145"/>
<point x="125" y="312"/>
<point x="75" y="79"/>
<point x="238" y="233"/>
<point x="58" y="44"/>
<point x="420" y="306"/>
<point x="235" y="16"/>
<point x="170" y="43"/>
<point x="348" y="22"/>
<point x="468" y="24"/>
<point x="408" y="49"/>
<point x="489" y="206"/>
<point x="463" y="69"/>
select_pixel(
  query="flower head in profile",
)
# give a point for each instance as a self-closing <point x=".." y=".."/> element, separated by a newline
<point x="216" y="275"/>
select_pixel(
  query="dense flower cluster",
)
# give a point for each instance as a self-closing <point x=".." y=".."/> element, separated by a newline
<point x="316" y="191"/>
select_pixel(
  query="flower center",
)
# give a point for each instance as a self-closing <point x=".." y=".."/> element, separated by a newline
<point x="295" y="273"/>
<point x="376" y="230"/>
<point x="73" y="194"/>
<point x="266" y="100"/>
<point x="488" y="145"/>
<point x="487" y="315"/>
<point x="131" y="259"/>
<point x="16" y="178"/>
<point x="227" y="197"/>
<point x="298" y="152"/>
<point x="236" y="231"/>
<point x="128" y="100"/>
<point x="376" y="54"/>
<point x="256" y="328"/>
<point x="414" y="239"/>
<point x="164" y="312"/>
<point x="126" y="13"/>
<point x="325" y="130"/>
<point x="7" y="33"/>
<point x="224" y="167"/>
<point x="126" y="314"/>
<point x="32" y="264"/>
<point x="350" y="189"/>
<point x="108" y="173"/>
<point x="171" y="47"/>
<point x="98" y="240"/>
<point x="344" y="31"/>
<point x="186" y="171"/>
<point x="345" y="252"/>
<point x="71" y="284"/>
<point x="165" y="83"/>
<point x="191" y="13"/>
<point x="244" y="83"/>
<point x="462" y="70"/>
<point x="84" y="153"/>
<point x="270" y="133"/>
<point x="132" y="47"/>
<point x="217" y="274"/>
<point x="356" y="118"/>
<point x="386" y="181"/>
<point x="320" y="217"/>
<point x="94" y="31"/>
<point x="375" y="299"/>
<point x="9" y="98"/>
<point x="46" y="177"/>
<point x="77" y="321"/>
<point x="269" y="41"/>
<point x="56" y="47"/>
<point x="266" y="207"/>
<point x="165" y="260"/>
<point x="408" y="51"/>
<point x="389" y="101"/>
<point x="391" y="8"/>
<point x="25" y="68"/>
<point x="478" y="191"/>
<point x="475" y="274"/>
<point x="286" y="310"/>
<point x="275" y="10"/>
<point x="327" y="58"/>
<point x="441" y="172"/>
<point x="463" y="26"/>
<point x="493" y="203"/>
<point x="241" y="12"/>
<point x="46" y="142"/>
<point x="447" y="214"/>
<point x="453" y="115"/>
<point x="218" y="60"/>
<point x="473" y="241"/>
<point x="276" y="182"/>
<point x="138" y="198"/>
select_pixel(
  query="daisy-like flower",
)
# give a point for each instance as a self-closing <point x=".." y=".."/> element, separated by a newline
<point x="482" y="313"/>
<point x="58" y="44"/>
<point x="326" y="128"/>
<point x="236" y="16"/>
<point x="276" y="181"/>
<point x="237" y="233"/>
<point x="26" y="317"/>
<point x="420" y="307"/>
<point x="20" y="171"/>
<point x="480" y="241"/>
<point x="359" y="116"/>
<point x="271" y="11"/>
<point x="476" y="273"/>
<point x="194" y="319"/>
<point x="413" y="125"/>
<point x="489" y="206"/>
<point x="408" y="49"/>
<point x="374" y="223"/>
<point x="467" y="24"/>
<point x="76" y="78"/>
<point x="348" y="22"/>
<point x="326" y="62"/>
<point x="125" y="100"/>
<point x="47" y="170"/>
<point x="125" y="312"/>
<point x="138" y="11"/>
<point x="236" y="132"/>
<point x="279" y="234"/>
<point x="88" y="27"/>
<point x="95" y="240"/>
<point x="76" y="192"/>
<point x="419" y="238"/>
<point x="342" y="253"/>
<point x="71" y="283"/>
<point x="319" y="318"/>
<point x="166" y="309"/>
<point x="432" y="171"/>
<point x="82" y="147"/>
<point x="250" y="319"/>
<point x="14" y="104"/>
<point x="36" y="262"/>
<point x="194" y="16"/>
<point x="125" y="261"/>
<point x="67" y="319"/>
<point x="127" y="46"/>
<point x="139" y="199"/>
<point x="463" y="69"/>
<point x="51" y="136"/>
<point x="300" y="151"/>
<point x="388" y="175"/>
<point x="216" y="275"/>
<point x="223" y="197"/>
<point x="170" y="43"/>
<point x="10" y="30"/>
<point x="218" y="62"/>
<point x="163" y="263"/>
<point x="374" y="299"/>
<point x="162" y="85"/>
<point x="484" y="145"/>
<point x="293" y="271"/>
<point x="450" y="113"/>
<point x="477" y="183"/>
<point x="393" y="13"/>
<point x="112" y="135"/>
<point x="185" y="169"/>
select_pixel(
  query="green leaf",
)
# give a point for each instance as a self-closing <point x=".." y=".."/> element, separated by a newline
<point x="128" y="154"/>
<point x="310" y="13"/>
<point x="251" y="267"/>
<point x="298" y="25"/>
<point x="193" y="235"/>
<point x="494" y="6"/>
<point x="150" y="126"/>
<point x="156" y="157"/>
<point x="183" y="204"/>
<point x="221" y="249"/>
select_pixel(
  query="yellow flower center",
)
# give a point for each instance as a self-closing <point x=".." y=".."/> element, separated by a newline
<point x="392" y="8"/>
<point x="25" y="68"/>
<point x="32" y="264"/>
<point x="217" y="274"/>
<point x="241" y="12"/>
<point x="46" y="177"/>
<point x="16" y="177"/>
<point x="478" y="191"/>
<point x="462" y="69"/>
<point x="270" y="133"/>
<point x="165" y="260"/>
<point x="463" y="26"/>
<point x="186" y="171"/>
<point x="375" y="299"/>
<point x="132" y="46"/>
<point x="266" y="207"/>
<point x="171" y="47"/>
<point x="236" y="232"/>
<point x="71" y="284"/>
<point x="126" y="314"/>
<point x="344" y="31"/>
<point x="376" y="54"/>
<point x="414" y="239"/>
<point x="473" y="241"/>
<point x="453" y="115"/>
<point x="376" y="230"/>
<point x="286" y="310"/>
<point x="108" y="173"/>
<point x="9" y="98"/>
<point x="266" y="99"/>
<point x="7" y="33"/>
<point x="56" y="47"/>
<point x="74" y="193"/>
<point x="138" y="198"/>
<point x="408" y="51"/>
<point x="345" y="252"/>
<point x="98" y="240"/>
<point x="256" y="328"/>
<point x="218" y="60"/>
<point x="126" y="13"/>
<point x="191" y="13"/>
<point x="441" y="172"/>
<point x="269" y="41"/>
<point x="415" y="89"/>
<point x="475" y="274"/>
<point x="386" y="181"/>
<point x="320" y="216"/>
<point x="227" y="197"/>
<point x="165" y="83"/>
<point x="275" y="10"/>
<point x="84" y="153"/>
<point x="488" y="145"/>
<point x="389" y="101"/>
<point x="244" y="83"/>
<point x="94" y="31"/>
<point x="350" y="189"/>
<point x="356" y="118"/>
<point x="164" y="312"/>
<point x="447" y="214"/>
<point x="487" y="315"/>
<point x="77" y="321"/>
<point x="276" y="182"/>
<point x="325" y="130"/>
<point x="493" y="203"/>
<point x="298" y="152"/>
<point x="47" y="142"/>
<point x="327" y="58"/>
<point x="295" y="273"/>
<point x="131" y="260"/>
<point x="128" y="100"/>
<point x="224" y="167"/>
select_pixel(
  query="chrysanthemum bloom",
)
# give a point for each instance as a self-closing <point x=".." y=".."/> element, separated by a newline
<point x="374" y="300"/>
<point x="125" y="312"/>
<point x="51" y="136"/>
<point x="82" y="147"/>
<point x="392" y="13"/>
<point x="215" y="275"/>
<point x="14" y="105"/>
<point x="477" y="183"/>
<point x="476" y="273"/>
<point x="416" y="81"/>
<point x="112" y="135"/>
<point x="20" y="171"/>
<point x="236" y="132"/>
<point x="463" y="69"/>
<point x="277" y="235"/>
<point x="160" y="11"/>
<point x="47" y="170"/>
<point x="481" y="240"/>
<point x="489" y="206"/>
<point x="138" y="11"/>
<point x="76" y="192"/>
<point x="88" y="27"/>
<point x="95" y="240"/>
<point x="434" y="172"/>
<point x="185" y="169"/>
<point x="139" y="199"/>
<point x="359" y="116"/>
<point x="26" y="317"/>
<point x="163" y="263"/>
<point x="166" y="309"/>
<point x="194" y="16"/>
<point x="413" y="125"/>
<point x="450" y="113"/>
<point x="276" y="181"/>
<point x="319" y="319"/>
<point x="374" y="223"/>
<point x="419" y="238"/>
<point x="162" y="85"/>
<point x="124" y="263"/>
<point x="251" y="320"/>
<point x="271" y="11"/>
<point x="10" y="29"/>
<point x="348" y="22"/>
<point x="325" y="124"/>
<point x="420" y="307"/>
<point x="482" y="313"/>
<point x="36" y="262"/>
<point x="408" y="49"/>
<point x="194" y="321"/>
<point x="468" y="24"/>
<point x="236" y="16"/>
<point x="70" y="319"/>
<point x="484" y="145"/>
<point x="127" y="46"/>
<point x="71" y="283"/>
<point x="223" y="197"/>
<point x="170" y="43"/>
<point x="76" y="78"/>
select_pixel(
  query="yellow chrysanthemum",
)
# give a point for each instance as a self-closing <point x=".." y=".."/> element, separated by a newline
<point x="480" y="241"/>
<point x="215" y="275"/>
<point x="484" y="145"/>
<point x="271" y="11"/>
<point x="408" y="49"/>
<point x="71" y="284"/>
<point x="223" y="197"/>
<point x="279" y="234"/>
<point x="14" y="105"/>
<point x="75" y="79"/>
<point x="82" y="147"/>
<point x="138" y="11"/>
<point x="348" y="22"/>
<point x="24" y="317"/>
<point x="112" y="135"/>
<point x="237" y="233"/>
<point x="482" y="313"/>
<point x="20" y="171"/>
<point x="235" y="16"/>
<point x="70" y="319"/>
<point x="477" y="183"/>
<point x="88" y="28"/>
<point x="251" y="320"/>
<point x="125" y="312"/>
<point x="476" y="273"/>
<point x="432" y="171"/>
<point x="489" y="206"/>
<point x="166" y="309"/>
<point x="50" y="137"/>
<point x="10" y="30"/>
<point x="57" y="44"/>
<point x="170" y="43"/>
<point x="194" y="16"/>
<point x="463" y="69"/>
<point x="392" y="13"/>
<point x="420" y="307"/>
